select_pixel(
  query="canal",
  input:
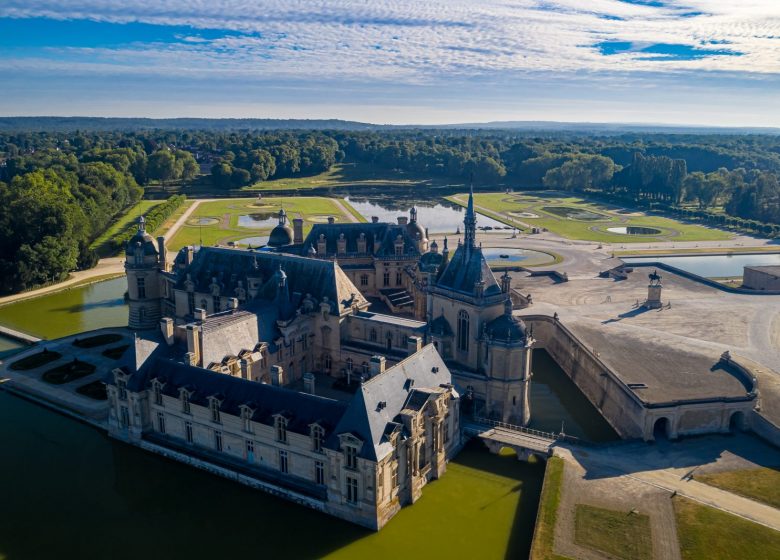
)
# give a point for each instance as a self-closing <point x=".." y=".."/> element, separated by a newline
<point x="69" y="491"/>
<point x="712" y="266"/>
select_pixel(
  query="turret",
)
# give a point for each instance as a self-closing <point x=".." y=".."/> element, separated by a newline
<point x="142" y="267"/>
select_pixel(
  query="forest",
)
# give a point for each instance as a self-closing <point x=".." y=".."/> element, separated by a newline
<point x="60" y="189"/>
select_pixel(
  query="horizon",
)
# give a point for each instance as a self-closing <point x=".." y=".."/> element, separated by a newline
<point x="677" y="62"/>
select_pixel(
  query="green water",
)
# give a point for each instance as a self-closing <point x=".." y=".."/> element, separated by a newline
<point x="70" y="492"/>
<point x="8" y="346"/>
<point x="69" y="311"/>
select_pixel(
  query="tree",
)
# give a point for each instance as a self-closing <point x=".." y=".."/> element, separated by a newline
<point x="161" y="166"/>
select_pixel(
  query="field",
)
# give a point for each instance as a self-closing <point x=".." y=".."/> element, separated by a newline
<point x="761" y="484"/>
<point x="575" y="218"/>
<point x="102" y="245"/>
<point x="706" y="533"/>
<point x="618" y="533"/>
<point x="247" y="221"/>
<point x="546" y="518"/>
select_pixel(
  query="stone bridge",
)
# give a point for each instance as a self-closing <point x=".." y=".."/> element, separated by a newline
<point x="525" y="442"/>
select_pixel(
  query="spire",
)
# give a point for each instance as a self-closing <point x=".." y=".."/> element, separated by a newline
<point x="470" y="221"/>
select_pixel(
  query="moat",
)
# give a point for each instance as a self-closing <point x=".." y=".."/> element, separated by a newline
<point x="485" y="506"/>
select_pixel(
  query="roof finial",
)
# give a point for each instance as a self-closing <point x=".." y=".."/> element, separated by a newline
<point x="141" y="224"/>
<point x="470" y="221"/>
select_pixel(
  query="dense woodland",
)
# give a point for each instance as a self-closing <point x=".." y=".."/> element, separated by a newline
<point x="61" y="189"/>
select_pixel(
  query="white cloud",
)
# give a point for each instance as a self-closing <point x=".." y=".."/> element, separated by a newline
<point x="418" y="41"/>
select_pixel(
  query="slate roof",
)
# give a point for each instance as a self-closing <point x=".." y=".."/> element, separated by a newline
<point x="467" y="267"/>
<point x="384" y="233"/>
<point x="320" y="278"/>
<point x="506" y="328"/>
<point x="366" y="419"/>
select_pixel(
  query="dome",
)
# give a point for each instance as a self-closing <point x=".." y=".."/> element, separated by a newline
<point x="506" y="328"/>
<point x="282" y="234"/>
<point x="413" y="228"/>
<point x="430" y="261"/>
<point x="142" y="239"/>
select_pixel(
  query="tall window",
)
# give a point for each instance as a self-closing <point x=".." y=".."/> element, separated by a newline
<point x="216" y="302"/>
<point x="372" y="335"/>
<point x="364" y="279"/>
<point x="217" y="440"/>
<point x="214" y="406"/>
<point x="386" y="278"/>
<point x="185" y="402"/>
<point x="246" y="418"/>
<point x="350" y="457"/>
<point x="350" y="363"/>
<point x="398" y="278"/>
<point x="394" y="473"/>
<point x="158" y="400"/>
<point x="124" y="416"/>
<point x="352" y="490"/>
<point x="250" y="450"/>
<point x="281" y="429"/>
<point x="190" y="303"/>
<point x="446" y="428"/>
<point x="463" y="331"/>
<point x="389" y="340"/>
<point x="305" y="342"/>
<point x="188" y="432"/>
<point x="283" y="466"/>
<point x="317" y="438"/>
<point x="327" y="362"/>
<point x="141" y="282"/>
<point x="161" y="422"/>
<point x="121" y="386"/>
<point x="319" y="473"/>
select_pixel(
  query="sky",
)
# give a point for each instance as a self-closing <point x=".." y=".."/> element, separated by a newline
<point x="699" y="62"/>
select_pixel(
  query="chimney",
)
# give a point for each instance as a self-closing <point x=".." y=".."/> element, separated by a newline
<point x="377" y="365"/>
<point x="374" y="219"/>
<point x="161" y="251"/>
<point x="277" y="376"/>
<point x="200" y="314"/>
<point x="232" y="303"/>
<point x="191" y="359"/>
<point x="331" y="220"/>
<point x="414" y="344"/>
<point x="298" y="231"/>
<point x="193" y="344"/>
<point x="403" y="220"/>
<point x="166" y="327"/>
<point x="308" y="383"/>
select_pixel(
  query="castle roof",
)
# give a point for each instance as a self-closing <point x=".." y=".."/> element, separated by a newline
<point x="465" y="269"/>
<point x="382" y="233"/>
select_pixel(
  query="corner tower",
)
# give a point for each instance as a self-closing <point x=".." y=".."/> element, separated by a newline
<point x="142" y="267"/>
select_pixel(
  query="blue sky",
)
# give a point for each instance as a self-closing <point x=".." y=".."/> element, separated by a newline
<point x="710" y="62"/>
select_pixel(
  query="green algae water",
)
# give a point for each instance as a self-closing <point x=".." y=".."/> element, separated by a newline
<point x="68" y="491"/>
<point x="69" y="311"/>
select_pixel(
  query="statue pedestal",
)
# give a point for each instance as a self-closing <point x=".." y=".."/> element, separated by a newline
<point x="653" y="297"/>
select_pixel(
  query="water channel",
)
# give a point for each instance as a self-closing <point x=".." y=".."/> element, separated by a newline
<point x="713" y="266"/>
<point x="94" y="497"/>
<point x="439" y="217"/>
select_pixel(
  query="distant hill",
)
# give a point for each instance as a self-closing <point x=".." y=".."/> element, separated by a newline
<point x="67" y="124"/>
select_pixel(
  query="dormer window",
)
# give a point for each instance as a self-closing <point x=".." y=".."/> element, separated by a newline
<point x="246" y="418"/>
<point x="121" y="387"/>
<point x="317" y="438"/>
<point x="361" y="243"/>
<point x="214" y="404"/>
<point x="350" y="457"/>
<point x="281" y="429"/>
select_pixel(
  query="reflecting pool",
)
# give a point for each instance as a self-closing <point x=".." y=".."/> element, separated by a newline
<point x="439" y="216"/>
<point x="264" y="220"/>
<point x="713" y="266"/>
<point x="507" y="256"/>
<point x="634" y="230"/>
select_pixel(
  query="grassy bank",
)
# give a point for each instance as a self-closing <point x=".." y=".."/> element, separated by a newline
<point x="761" y="484"/>
<point x="546" y="517"/>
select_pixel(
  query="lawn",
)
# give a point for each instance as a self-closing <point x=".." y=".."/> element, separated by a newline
<point x="761" y="484"/>
<point x="546" y="517"/>
<point x="706" y="533"/>
<point x="230" y="219"/>
<point x="620" y="534"/>
<point x="576" y="218"/>
<point x="102" y="245"/>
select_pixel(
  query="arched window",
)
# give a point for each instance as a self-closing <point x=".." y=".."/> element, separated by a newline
<point x="463" y="331"/>
<point x="389" y="341"/>
<point x="372" y="335"/>
<point x="326" y="362"/>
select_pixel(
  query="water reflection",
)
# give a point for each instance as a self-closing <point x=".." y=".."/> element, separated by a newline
<point x="264" y="220"/>
<point x="438" y="215"/>
<point x="714" y="266"/>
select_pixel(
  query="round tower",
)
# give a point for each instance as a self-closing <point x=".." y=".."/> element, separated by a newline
<point x="142" y="267"/>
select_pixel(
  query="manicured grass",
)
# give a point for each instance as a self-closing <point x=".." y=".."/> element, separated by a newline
<point x="35" y="360"/>
<point x="620" y="534"/>
<point x="225" y="215"/>
<point x="550" y="209"/>
<point x="167" y="224"/>
<point x="95" y="390"/>
<point x="706" y="533"/>
<point x="116" y="352"/>
<point x="103" y="243"/>
<point x="68" y="372"/>
<point x="546" y="517"/>
<point x="97" y="340"/>
<point x="761" y="484"/>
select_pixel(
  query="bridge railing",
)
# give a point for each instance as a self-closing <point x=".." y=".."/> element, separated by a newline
<point x="530" y="431"/>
